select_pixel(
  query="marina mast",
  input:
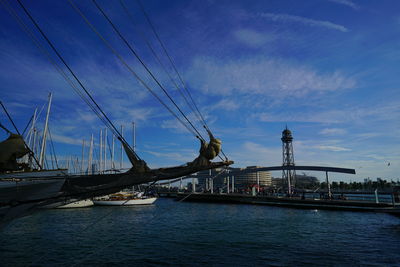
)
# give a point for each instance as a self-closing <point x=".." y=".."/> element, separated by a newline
<point x="43" y="147"/>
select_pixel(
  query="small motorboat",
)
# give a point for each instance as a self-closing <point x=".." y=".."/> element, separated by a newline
<point x="124" y="199"/>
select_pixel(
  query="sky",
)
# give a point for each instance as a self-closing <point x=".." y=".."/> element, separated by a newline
<point x="326" y="69"/>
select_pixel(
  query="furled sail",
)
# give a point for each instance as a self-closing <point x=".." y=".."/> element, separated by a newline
<point x="12" y="149"/>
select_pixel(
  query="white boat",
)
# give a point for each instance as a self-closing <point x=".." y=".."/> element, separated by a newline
<point x="124" y="199"/>
<point x="128" y="202"/>
<point x="77" y="204"/>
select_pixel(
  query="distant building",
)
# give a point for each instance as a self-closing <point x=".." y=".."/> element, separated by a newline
<point x="243" y="177"/>
<point x="246" y="177"/>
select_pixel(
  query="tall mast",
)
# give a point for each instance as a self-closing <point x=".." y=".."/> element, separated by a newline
<point x="83" y="154"/>
<point x="122" y="149"/>
<point x="112" y="152"/>
<point x="101" y="150"/>
<point x="134" y="137"/>
<point x="34" y="149"/>
<point x="90" y="155"/>
<point x="31" y="139"/>
<point x="105" y="150"/>
<point x="43" y="148"/>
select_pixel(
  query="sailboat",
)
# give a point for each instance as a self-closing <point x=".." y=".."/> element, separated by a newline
<point x="84" y="203"/>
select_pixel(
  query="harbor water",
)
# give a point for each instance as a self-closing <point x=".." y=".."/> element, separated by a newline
<point x="171" y="233"/>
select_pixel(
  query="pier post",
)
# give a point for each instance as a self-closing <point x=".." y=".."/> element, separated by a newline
<point x="328" y="185"/>
<point x="258" y="182"/>
<point x="227" y="187"/>
<point x="193" y="186"/>
<point x="212" y="185"/>
<point x="233" y="184"/>
<point x="376" y="196"/>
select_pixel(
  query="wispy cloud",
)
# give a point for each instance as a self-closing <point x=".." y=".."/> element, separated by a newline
<point x="252" y="38"/>
<point x="333" y="148"/>
<point x="363" y="114"/>
<point x="346" y="3"/>
<point x="261" y="76"/>
<point x="333" y="131"/>
<point x="304" y="21"/>
<point x="226" y="104"/>
<point x="66" y="139"/>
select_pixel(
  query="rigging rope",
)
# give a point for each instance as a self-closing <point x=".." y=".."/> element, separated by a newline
<point x="170" y="59"/>
<point x="143" y="36"/>
<point x="175" y="68"/>
<point x="145" y="66"/>
<point x="25" y="28"/>
<point x="52" y="147"/>
<point x="141" y="81"/>
<point x="100" y="112"/>
<point x="9" y="117"/>
<point x="47" y="55"/>
<point x="5" y="129"/>
<point x="26" y="127"/>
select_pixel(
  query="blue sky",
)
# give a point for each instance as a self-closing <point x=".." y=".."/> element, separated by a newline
<point x="326" y="68"/>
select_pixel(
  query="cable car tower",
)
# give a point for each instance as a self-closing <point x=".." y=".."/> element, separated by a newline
<point x="288" y="175"/>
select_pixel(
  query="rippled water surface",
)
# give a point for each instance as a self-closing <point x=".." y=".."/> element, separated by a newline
<point x="194" y="234"/>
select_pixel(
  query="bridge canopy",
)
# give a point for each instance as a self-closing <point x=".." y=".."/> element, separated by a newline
<point x="302" y="168"/>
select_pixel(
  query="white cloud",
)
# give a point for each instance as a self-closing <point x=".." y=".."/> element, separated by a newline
<point x="66" y="139"/>
<point x="346" y="3"/>
<point x="225" y="104"/>
<point x="333" y="148"/>
<point x="333" y="131"/>
<point x="260" y="76"/>
<point x="302" y="20"/>
<point x="363" y="115"/>
<point x="252" y="38"/>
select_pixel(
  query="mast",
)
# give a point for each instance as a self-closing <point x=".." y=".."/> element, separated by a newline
<point x="31" y="138"/>
<point x="43" y="148"/>
<point x="34" y="149"/>
<point x="100" y="150"/>
<point x="134" y="137"/>
<point x="105" y="150"/>
<point x="83" y="154"/>
<point x="112" y="152"/>
<point x="122" y="149"/>
<point x="68" y="165"/>
<point x="90" y="155"/>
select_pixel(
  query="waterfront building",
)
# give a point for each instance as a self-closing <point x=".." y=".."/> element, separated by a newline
<point x="246" y="177"/>
<point x="242" y="177"/>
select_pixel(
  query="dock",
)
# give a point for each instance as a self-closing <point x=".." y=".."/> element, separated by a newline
<point x="293" y="202"/>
